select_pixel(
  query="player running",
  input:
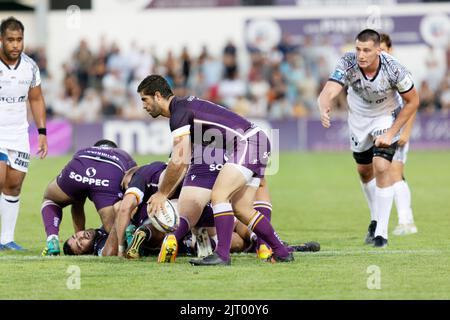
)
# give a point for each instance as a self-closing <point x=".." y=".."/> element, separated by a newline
<point x="378" y="86"/>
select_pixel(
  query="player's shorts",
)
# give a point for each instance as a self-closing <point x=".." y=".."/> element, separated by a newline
<point x="18" y="160"/>
<point x="364" y="130"/>
<point x="251" y="152"/>
<point x="99" y="181"/>
<point x="401" y="154"/>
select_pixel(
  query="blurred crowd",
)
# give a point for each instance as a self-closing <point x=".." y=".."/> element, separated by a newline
<point x="282" y="83"/>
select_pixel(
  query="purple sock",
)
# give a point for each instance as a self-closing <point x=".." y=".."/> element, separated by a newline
<point x="264" y="230"/>
<point x="182" y="229"/>
<point x="266" y="209"/>
<point x="224" y="221"/>
<point x="51" y="216"/>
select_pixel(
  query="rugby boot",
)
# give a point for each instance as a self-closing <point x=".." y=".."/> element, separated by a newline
<point x="140" y="236"/>
<point x="380" y="242"/>
<point x="371" y="232"/>
<point x="263" y="252"/>
<point x="13" y="246"/>
<point x="169" y="249"/>
<point x="211" y="260"/>
<point x="274" y="259"/>
<point x="52" y="248"/>
<point x="311" y="246"/>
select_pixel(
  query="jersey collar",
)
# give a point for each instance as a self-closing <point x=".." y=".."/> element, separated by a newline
<point x="376" y="74"/>
<point x="8" y="66"/>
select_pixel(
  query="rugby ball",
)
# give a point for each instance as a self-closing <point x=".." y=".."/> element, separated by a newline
<point x="166" y="221"/>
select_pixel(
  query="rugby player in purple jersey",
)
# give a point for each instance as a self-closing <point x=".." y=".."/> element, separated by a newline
<point x="194" y="121"/>
<point x="95" y="173"/>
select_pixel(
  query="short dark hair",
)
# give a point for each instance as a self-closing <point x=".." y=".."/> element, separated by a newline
<point x="153" y="83"/>
<point x="67" y="249"/>
<point x="369" y="35"/>
<point x="105" y="143"/>
<point x="11" y="23"/>
<point x="386" y="39"/>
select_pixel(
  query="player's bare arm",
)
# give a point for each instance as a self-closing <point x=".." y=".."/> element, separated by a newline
<point x="406" y="133"/>
<point x="175" y="171"/>
<point x="326" y="98"/>
<point x="78" y="215"/>
<point x="411" y="99"/>
<point x="37" y="106"/>
<point x="123" y="216"/>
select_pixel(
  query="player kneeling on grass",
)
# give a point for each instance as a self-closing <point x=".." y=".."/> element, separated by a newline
<point x="95" y="173"/>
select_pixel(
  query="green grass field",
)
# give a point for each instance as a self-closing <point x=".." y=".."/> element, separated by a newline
<point x="316" y="196"/>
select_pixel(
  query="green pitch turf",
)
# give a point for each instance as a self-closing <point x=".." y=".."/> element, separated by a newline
<point x="316" y="196"/>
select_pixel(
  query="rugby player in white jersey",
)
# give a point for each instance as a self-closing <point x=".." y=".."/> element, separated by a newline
<point x="402" y="195"/>
<point x="381" y="98"/>
<point x="19" y="81"/>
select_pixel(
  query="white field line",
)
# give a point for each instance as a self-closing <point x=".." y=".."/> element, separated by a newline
<point x="320" y="253"/>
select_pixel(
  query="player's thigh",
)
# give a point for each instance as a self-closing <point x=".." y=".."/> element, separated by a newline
<point x="54" y="193"/>
<point x="192" y="201"/>
<point x="229" y="181"/>
<point x="3" y="167"/>
<point x="242" y="203"/>
<point x="13" y="181"/>
<point x="262" y="194"/>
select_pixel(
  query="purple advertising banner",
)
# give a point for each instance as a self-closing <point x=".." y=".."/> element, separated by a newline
<point x="59" y="137"/>
<point x="153" y="137"/>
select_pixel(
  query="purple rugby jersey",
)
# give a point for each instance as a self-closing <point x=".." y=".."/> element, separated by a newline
<point x="212" y="125"/>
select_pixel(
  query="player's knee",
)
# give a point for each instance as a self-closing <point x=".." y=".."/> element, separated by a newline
<point x="12" y="189"/>
<point x="218" y="196"/>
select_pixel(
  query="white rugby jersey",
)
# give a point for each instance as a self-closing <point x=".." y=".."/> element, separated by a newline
<point x="15" y="82"/>
<point x="379" y="95"/>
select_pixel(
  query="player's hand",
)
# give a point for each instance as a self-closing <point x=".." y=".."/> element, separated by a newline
<point x="383" y="141"/>
<point x="156" y="203"/>
<point x="43" y="146"/>
<point x="325" y="117"/>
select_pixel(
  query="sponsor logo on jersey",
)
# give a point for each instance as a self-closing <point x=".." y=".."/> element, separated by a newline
<point x="90" y="172"/>
<point x="12" y="99"/>
<point x="338" y="75"/>
<point x="87" y="180"/>
<point x="214" y="167"/>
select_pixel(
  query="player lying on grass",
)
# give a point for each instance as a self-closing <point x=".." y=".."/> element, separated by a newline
<point x="140" y="183"/>
<point x="95" y="173"/>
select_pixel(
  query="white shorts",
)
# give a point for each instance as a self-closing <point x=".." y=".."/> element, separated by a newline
<point x="17" y="160"/>
<point x="401" y="154"/>
<point x="364" y="130"/>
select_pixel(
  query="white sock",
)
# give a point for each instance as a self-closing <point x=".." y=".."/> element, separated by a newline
<point x="53" y="236"/>
<point x="383" y="205"/>
<point x="403" y="202"/>
<point x="9" y="206"/>
<point x="369" y="192"/>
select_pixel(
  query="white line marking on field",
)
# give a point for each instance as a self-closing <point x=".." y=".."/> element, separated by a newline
<point x="374" y="251"/>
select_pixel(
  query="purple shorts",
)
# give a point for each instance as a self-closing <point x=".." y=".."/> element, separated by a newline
<point x="99" y="181"/>
<point x="253" y="152"/>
